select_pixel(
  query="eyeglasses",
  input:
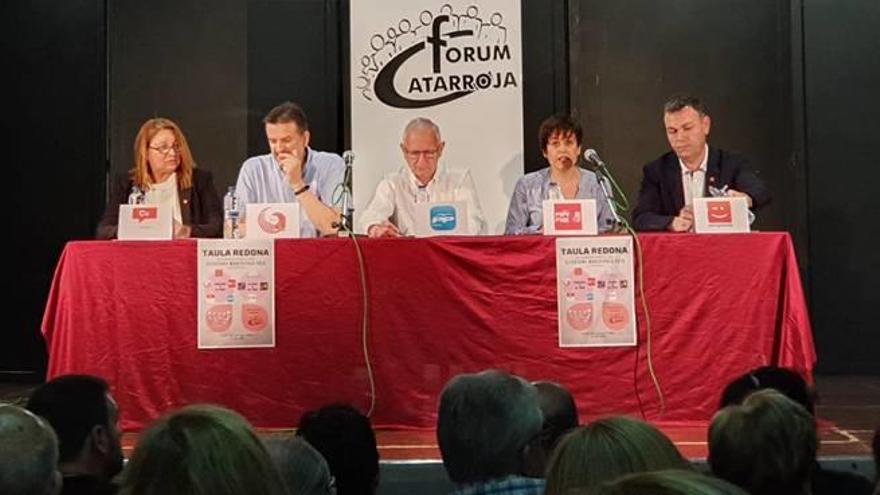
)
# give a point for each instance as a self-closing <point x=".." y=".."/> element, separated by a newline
<point x="166" y="149"/>
<point x="428" y="154"/>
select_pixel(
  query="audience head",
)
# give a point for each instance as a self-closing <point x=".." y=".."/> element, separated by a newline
<point x="201" y="450"/>
<point x="669" y="482"/>
<point x="302" y="468"/>
<point x="345" y="438"/>
<point x="560" y="416"/>
<point x="422" y="147"/>
<point x="607" y="449"/>
<point x="28" y="454"/>
<point x="484" y="424"/>
<point x="767" y="445"/>
<point x="84" y="415"/>
<point x="161" y="149"/>
<point x="788" y="382"/>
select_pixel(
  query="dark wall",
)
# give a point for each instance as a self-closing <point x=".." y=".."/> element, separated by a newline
<point x="294" y="53"/>
<point x="217" y="72"/>
<point x="628" y="57"/>
<point x="58" y="74"/>
<point x="842" y="78"/>
<point x="545" y="71"/>
<point x="791" y="84"/>
<point x="185" y="62"/>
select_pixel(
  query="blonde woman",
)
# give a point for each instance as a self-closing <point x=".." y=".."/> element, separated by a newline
<point x="164" y="173"/>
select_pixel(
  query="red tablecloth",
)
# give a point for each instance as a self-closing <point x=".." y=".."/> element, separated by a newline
<point x="719" y="306"/>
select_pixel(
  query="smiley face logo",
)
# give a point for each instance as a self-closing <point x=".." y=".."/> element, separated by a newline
<point x="719" y="212"/>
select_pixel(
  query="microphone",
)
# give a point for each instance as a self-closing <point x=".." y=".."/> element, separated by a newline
<point x="346" y="217"/>
<point x="605" y="182"/>
<point x="591" y="156"/>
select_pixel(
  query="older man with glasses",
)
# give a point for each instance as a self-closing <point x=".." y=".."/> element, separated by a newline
<point x="391" y="213"/>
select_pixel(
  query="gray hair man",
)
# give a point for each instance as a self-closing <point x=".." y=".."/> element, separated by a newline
<point x="484" y="426"/>
<point x="391" y="213"/>
<point x="28" y="454"/>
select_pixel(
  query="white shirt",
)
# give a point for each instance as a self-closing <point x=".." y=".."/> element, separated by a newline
<point x="397" y="193"/>
<point x="693" y="183"/>
<point x="165" y="193"/>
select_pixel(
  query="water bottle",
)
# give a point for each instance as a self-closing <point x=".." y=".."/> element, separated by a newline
<point x="553" y="191"/>
<point x="136" y="196"/>
<point x="230" y="215"/>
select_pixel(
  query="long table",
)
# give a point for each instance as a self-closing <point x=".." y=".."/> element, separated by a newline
<point x="719" y="305"/>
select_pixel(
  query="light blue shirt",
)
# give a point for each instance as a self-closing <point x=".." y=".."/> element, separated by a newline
<point x="261" y="180"/>
<point x="526" y="213"/>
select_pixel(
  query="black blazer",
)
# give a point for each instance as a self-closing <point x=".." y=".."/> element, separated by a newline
<point x="199" y="206"/>
<point x="661" y="196"/>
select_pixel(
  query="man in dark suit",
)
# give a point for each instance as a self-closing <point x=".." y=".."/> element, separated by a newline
<point x="670" y="182"/>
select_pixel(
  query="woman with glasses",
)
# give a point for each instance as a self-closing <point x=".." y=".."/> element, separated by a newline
<point x="164" y="173"/>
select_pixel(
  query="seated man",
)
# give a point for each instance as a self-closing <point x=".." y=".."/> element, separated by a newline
<point x="28" y="453"/>
<point x="484" y="426"/>
<point x="391" y="213"/>
<point x="293" y="172"/>
<point x="85" y="418"/>
<point x="671" y="182"/>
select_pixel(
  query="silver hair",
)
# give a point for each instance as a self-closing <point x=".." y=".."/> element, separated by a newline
<point x="484" y="423"/>
<point x="418" y="124"/>
<point x="28" y="452"/>
<point x="303" y="468"/>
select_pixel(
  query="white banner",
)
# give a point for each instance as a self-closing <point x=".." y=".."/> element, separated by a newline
<point x="458" y="63"/>
<point x="595" y="291"/>
<point x="236" y="293"/>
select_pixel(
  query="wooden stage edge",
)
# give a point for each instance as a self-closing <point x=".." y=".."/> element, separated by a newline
<point x="397" y="445"/>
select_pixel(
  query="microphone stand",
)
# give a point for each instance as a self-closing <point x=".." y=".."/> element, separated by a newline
<point x="604" y="174"/>
<point x="346" y="217"/>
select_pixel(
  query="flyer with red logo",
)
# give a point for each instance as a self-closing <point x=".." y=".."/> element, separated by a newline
<point x="595" y="291"/>
<point x="236" y="293"/>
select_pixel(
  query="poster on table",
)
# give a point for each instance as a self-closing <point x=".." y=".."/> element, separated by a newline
<point x="236" y="292"/>
<point x="595" y="291"/>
